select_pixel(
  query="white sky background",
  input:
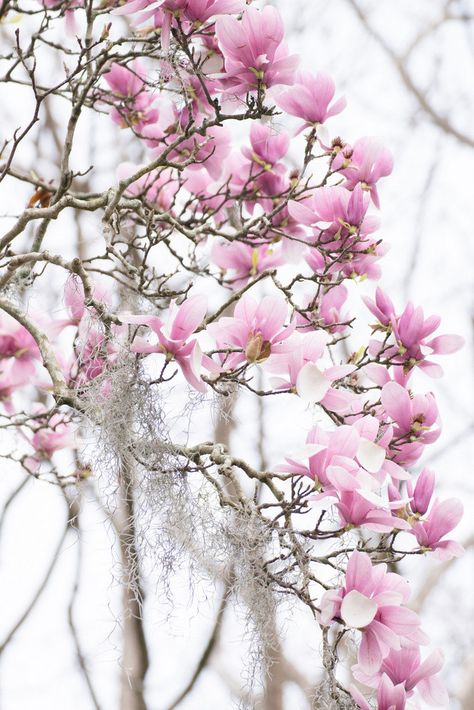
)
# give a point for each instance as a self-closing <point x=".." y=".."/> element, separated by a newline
<point x="427" y="210"/>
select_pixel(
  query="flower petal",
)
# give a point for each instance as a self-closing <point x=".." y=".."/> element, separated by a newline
<point x="357" y="610"/>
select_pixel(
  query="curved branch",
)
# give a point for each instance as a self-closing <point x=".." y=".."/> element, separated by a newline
<point x="74" y="515"/>
<point x="439" y="120"/>
<point x="209" y="648"/>
<point x="11" y="498"/>
<point x="47" y="576"/>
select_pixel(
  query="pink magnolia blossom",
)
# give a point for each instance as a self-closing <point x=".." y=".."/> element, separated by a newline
<point x="310" y="98"/>
<point x="55" y="435"/>
<point x="334" y="206"/>
<point x="414" y="418"/>
<point x="204" y="10"/>
<point x="52" y="434"/>
<point x="263" y="159"/>
<point x="244" y="261"/>
<point x="19" y="347"/>
<point x="382" y="308"/>
<point x="371" y="600"/>
<point x="256" y="329"/>
<point x="325" y="311"/>
<point x="268" y="147"/>
<point x="333" y="459"/>
<point x="254" y="52"/>
<point x="411" y="332"/>
<point x="389" y="696"/>
<point x="364" y="164"/>
<point x="173" y="338"/>
<point x="380" y="375"/>
<point x="359" y="508"/>
<point x="422" y="493"/>
<point x="405" y="668"/>
<point x="441" y="519"/>
<point x="343" y="229"/>
<point x="165" y="13"/>
<point x="133" y="105"/>
<point x="297" y="369"/>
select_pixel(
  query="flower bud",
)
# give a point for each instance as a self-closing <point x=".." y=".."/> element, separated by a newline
<point x="257" y="348"/>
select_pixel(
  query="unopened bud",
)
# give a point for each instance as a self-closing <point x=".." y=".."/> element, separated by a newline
<point x="257" y="348"/>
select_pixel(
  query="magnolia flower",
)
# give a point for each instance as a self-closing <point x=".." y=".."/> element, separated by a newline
<point x="359" y="508"/>
<point x="371" y="600"/>
<point x="263" y="160"/>
<point x="342" y="228"/>
<point x="166" y="12"/>
<point x="389" y="696"/>
<point x="256" y="330"/>
<point x="132" y="104"/>
<point x="414" y="418"/>
<point x="343" y="459"/>
<point x="368" y="161"/>
<point x="411" y="332"/>
<point x="55" y="435"/>
<point x="420" y="496"/>
<point x="310" y="98"/>
<point x="19" y="347"/>
<point x="441" y="519"/>
<point x="297" y="369"/>
<point x="173" y="337"/>
<point x="244" y="261"/>
<point x="254" y="52"/>
<point x="405" y="669"/>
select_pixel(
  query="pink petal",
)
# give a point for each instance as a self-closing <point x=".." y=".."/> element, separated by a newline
<point x="445" y="344"/>
<point x="190" y="314"/>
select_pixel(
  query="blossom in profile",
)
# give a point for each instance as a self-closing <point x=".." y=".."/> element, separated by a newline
<point x="173" y="337"/>
<point x="254" y="52"/>
<point x="389" y="696"/>
<point x="441" y="519"/>
<point x="411" y="332"/>
<point x="333" y="205"/>
<point x="364" y="164"/>
<point x="416" y="421"/>
<point x="311" y="98"/>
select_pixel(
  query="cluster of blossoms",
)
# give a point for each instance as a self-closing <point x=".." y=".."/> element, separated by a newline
<point x="250" y="216"/>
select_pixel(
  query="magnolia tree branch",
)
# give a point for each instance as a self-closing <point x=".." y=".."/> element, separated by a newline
<point x="400" y="64"/>
<point x="217" y="264"/>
